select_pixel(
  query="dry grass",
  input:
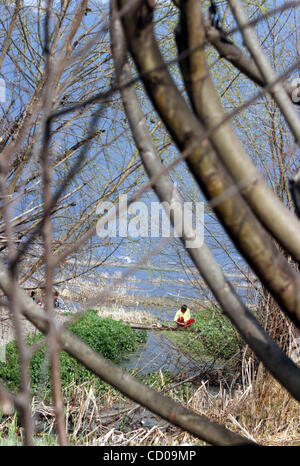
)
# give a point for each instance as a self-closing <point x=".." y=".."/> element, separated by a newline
<point x="134" y="316"/>
<point x="261" y="411"/>
<point x="271" y="419"/>
<point x="115" y="421"/>
<point x="110" y="420"/>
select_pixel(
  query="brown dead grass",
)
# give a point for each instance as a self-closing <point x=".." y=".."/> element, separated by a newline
<point x="261" y="411"/>
<point x="118" y="313"/>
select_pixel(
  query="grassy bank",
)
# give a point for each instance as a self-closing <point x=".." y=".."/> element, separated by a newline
<point x="211" y="337"/>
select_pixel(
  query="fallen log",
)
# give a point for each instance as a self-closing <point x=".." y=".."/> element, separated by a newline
<point x="158" y="327"/>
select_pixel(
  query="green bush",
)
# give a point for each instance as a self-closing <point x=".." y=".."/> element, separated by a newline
<point x="111" y="338"/>
<point x="218" y="338"/>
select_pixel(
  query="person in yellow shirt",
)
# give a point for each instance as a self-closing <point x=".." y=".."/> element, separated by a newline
<point x="183" y="317"/>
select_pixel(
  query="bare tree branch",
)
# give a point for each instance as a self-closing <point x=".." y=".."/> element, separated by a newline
<point x="244" y="63"/>
<point x="263" y="346"/>
<point x="272" y="213"/>
<point x="294" y="185"/>
<point x="241" y="224"/>
<point x="278" y="92"/>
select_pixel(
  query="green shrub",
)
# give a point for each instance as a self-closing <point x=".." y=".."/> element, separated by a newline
<point x="218" y="337"/>
<point x="111" y="338"/>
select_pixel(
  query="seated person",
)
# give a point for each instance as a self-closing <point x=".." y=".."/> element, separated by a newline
<point x="183" y="317"/>
<point x="36" y="298"/>
<point x="55" y="298"/>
